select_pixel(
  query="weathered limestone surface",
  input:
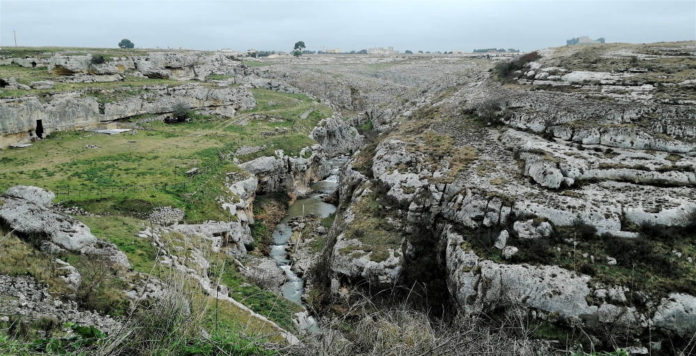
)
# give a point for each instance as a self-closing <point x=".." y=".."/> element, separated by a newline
<point x="28" y="212"/>
<point x="607" y="151"/>
<point x="281" y="173"/>
<point x="74" y="110"/>
<point x="336" y="136"/>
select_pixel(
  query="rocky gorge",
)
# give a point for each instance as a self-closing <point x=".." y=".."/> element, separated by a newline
<point x="555" y="187"/>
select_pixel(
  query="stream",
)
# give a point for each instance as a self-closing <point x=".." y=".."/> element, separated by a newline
<point x="314" y="204"/>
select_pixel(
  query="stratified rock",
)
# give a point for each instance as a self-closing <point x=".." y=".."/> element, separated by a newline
<point x="28" y="212"/>
<point x="337" y="137"/>
<point x="284" y="173"/>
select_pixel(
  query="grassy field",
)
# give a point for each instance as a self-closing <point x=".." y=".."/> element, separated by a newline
<point x="131" y="173"/>
<point x="127" y="175"/>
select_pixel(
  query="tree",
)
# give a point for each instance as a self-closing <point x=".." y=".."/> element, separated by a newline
<point x="299" y="46"/>
<point x="408" y="51"/>
<point x="126" y="43"/>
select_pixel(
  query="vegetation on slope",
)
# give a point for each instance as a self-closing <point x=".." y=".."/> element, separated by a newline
<point x="131" y="173"/>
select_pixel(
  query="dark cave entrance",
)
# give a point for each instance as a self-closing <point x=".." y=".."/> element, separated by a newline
<point x="39" y="129"/>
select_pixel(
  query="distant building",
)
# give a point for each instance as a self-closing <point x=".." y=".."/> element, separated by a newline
<point x="333" y="51"/>
<point x="583" y="40"/>
<point x="382" y="51"/>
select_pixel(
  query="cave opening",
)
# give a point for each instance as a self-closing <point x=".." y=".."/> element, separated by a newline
<point x="39" y="129"/>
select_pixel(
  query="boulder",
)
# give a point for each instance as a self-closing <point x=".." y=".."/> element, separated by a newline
<point x="265" y="273"/>
<point x="501" y="241"/>
<point x="43" y="84"/>
<point x="677" y="313"/>
<point x="336" y="136"/>
<point x="530" y="229"/>
<point x="28" y="212"/>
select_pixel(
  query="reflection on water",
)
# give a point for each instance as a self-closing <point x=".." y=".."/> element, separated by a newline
<point x="312" y="205"/>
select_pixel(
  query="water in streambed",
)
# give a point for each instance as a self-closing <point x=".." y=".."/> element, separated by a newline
<point x="312" y="205"/>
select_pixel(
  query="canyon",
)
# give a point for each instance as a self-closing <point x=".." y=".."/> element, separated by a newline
<point x="555" y="187"/>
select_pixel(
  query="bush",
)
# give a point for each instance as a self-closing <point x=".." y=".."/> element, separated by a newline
<point x="504" y="70"/>
<point x="180" y="113"/>
<point x="491" y="112"/>
<point x="98" y="59"/>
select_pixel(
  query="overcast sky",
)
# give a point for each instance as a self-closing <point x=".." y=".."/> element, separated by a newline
<point x="349" y="25"/>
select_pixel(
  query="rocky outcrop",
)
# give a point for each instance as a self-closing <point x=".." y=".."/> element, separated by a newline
<point x="281" y="173"/>
<point x="265" y="273"/>
<point x="164" y="65"/>
<point x="28" y="212"/>
<point x="677" y="313"/>
<point x="157" y="100"/>
<point x="77" y="110"/>
<point x="23" y="296"/>
<point x="232" y="236"/>
<point x="546" y="171"/>
<point x="268" y="84"/>
<point x="336" y="136"/>
<point x="481" y="285"/>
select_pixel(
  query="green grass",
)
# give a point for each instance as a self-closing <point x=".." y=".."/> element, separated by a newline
<point x="264" y="302"/>
<point x="19" y="258"/>
<point x="255" y="64"/>
<point x="129" y="174"/>
<point x="122" y="232"/>
<point x="218" y="77"/>
<point x="376" y="235"/>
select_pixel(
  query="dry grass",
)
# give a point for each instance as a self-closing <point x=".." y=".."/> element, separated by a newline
<point x="366" y="329"/>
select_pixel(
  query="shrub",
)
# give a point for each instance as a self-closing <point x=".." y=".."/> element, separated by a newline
<point x="504" y="70"/>
<point x="98" y="59"/>
<point x="491" y="112"/>
<point x="180" y="113"/>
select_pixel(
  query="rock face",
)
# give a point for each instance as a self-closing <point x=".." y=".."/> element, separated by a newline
<point x="481" y="285"/>
<point x="163" y="65"/>
<point x="337" y="137"/>
<point x="677" y="313"/>
<point x="282" y="173"/>
<point x="74" y="110"/>
<point x="581" y="166"/>
<point x="61" y="109"/>
<point x="28" y="212"/>
<point x="24" y="296"/>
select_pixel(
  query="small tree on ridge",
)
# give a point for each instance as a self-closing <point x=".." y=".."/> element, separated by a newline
<point x="126" y="43"/>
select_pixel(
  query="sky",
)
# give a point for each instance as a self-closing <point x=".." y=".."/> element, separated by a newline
<point x="428" y="25"/>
